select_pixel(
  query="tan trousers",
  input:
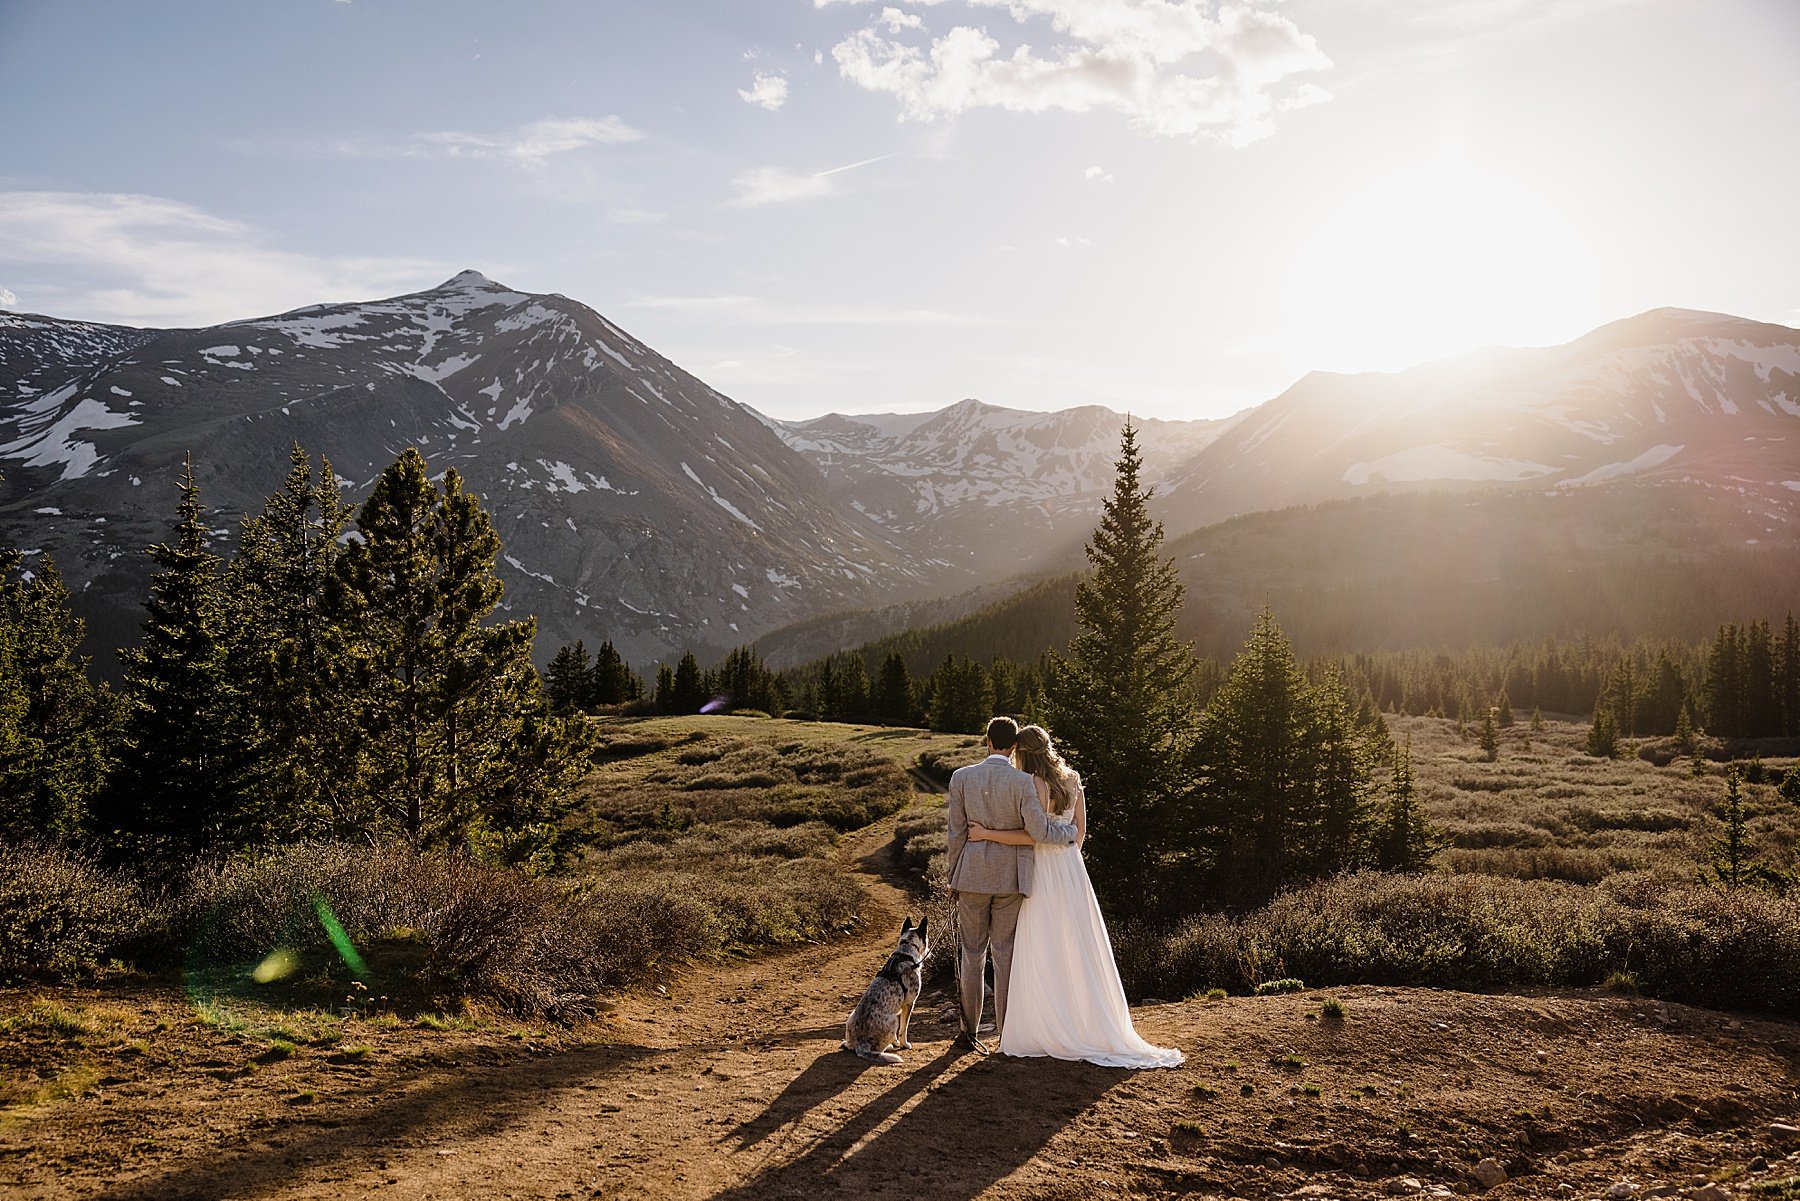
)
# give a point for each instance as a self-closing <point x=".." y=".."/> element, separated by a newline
<point x="984" y="920"/>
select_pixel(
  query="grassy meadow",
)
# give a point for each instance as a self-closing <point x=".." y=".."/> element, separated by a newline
<point x="696" y="837"/>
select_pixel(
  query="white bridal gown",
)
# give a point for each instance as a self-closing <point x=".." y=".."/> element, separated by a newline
<point x="1064" y="996"/>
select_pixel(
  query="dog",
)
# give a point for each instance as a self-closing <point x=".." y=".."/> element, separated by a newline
<point x="881" y="1019"/>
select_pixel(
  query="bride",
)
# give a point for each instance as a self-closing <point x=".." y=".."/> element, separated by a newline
<point x="1067" y="1001"/>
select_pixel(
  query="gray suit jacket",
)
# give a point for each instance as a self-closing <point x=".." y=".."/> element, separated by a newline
<point x="1000" y="797"/>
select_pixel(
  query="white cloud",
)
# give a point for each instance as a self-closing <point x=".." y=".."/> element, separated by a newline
<point x="1097" y="174"/>
<point x="153" y="261"/>
<point x="775" y="185"/>
<point x="1176" y="68"/>
<point x="530" y="144"/>
<point x="766" y="91"/>
<point x="7" y="299"/>
<point x="895" y="20"/>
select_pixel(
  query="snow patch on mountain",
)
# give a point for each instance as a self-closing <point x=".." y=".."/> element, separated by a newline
<point x="1656" y="456"/>
<point x="59" y="445"/>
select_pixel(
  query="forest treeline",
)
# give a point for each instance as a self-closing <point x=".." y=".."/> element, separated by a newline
<point x="1743" y="683"/>
<point x="338" y="678"/>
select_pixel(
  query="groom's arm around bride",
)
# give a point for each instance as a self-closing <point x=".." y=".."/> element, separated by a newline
<point x="989" y="880"/>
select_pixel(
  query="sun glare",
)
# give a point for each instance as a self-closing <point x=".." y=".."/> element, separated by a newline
<point x="1433" y="263"/>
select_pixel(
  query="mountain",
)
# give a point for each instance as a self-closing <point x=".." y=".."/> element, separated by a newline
<point x="634" y="501"/>
<point x="1406" y="570"/>
<point x="637" y="503"/>
<point x="1671" y="396"/>
<point x="995" y="490"/>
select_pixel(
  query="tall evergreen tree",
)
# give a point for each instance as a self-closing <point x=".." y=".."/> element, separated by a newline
<point x="180" y="791"/>
<point x="894" y="691"/>
<point x="58" y="731"/>
<point x="1116" y="701"/>
<point x="568" y="680"/>
<point x="1404" y="840"/>
<point x="688" y="690"/>
<point x="460" y="742"/>
<point x="664" y="696"/>
<point x="285" y="656"/>
<point x="1254" y="770"/>
<point x="1731" y="865"/>
<point x="611" y="680"/>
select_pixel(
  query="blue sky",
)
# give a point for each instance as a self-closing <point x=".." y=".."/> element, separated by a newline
<point x="1169" y="206"/>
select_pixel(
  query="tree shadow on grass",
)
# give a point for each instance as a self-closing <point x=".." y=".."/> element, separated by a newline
<point x="972" y="1127"/>
<point x="459" y="1109"/>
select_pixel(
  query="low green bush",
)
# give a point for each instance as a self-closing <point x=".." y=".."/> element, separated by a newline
<point x="63" y="914"/>
<point x="1728" y="950"/>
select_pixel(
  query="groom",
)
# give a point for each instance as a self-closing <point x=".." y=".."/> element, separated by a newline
<point x="989" y="880"/>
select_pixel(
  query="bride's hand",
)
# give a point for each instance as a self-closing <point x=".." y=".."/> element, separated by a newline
<point x="978" y="832"/>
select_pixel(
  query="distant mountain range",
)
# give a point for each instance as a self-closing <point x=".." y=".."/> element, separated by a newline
<point x="637" y="503"/>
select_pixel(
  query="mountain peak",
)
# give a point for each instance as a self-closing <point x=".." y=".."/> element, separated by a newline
<point x="468" y="280"/>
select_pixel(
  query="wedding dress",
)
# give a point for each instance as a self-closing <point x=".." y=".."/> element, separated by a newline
<point x="1065" y="997"/>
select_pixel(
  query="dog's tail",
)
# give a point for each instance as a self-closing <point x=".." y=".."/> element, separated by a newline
<point x="868" y="1052"/>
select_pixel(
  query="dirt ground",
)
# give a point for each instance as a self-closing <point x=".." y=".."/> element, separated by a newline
<point x="728" y="1082"/>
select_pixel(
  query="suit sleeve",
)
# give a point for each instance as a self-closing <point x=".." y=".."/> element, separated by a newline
<point x="959" y="828"/>
<point x="1040" y="825"/>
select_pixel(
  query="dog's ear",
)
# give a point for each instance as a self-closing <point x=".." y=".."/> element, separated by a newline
<point x="906" y="926"/>
<point x="925" y="921"/>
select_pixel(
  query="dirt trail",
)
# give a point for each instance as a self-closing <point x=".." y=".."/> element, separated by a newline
<point x="732" y="1085"/>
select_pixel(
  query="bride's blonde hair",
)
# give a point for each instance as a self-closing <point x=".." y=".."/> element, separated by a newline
<point x="1035" y="753"/>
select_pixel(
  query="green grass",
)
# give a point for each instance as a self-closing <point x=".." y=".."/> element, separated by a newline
<point x="1332" y="1010"/>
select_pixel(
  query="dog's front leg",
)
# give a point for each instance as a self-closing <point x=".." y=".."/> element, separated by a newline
<point x="906" y="1008"/>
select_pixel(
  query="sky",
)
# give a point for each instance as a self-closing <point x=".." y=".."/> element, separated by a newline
<point x="1171" y="207"/>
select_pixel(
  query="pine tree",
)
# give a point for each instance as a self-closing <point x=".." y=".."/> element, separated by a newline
<point x="1404" y="840"/>
<point x="1503" y="709"/>
<point x="1489" y="738"/>
<point x="58" y="731"/>
<point x="1334" y="835"/>
<point x="611" y="681"/>
<point x="1537" y="721"/>
<point x="853" y="688"/>
<point x="179" y="791"/>
<point x="962" y="697"/>
<point x="284" y="655"/>
<point x="687" y="690"/>
<point x="894" y="691"/>
<point x="460" y="742"/>
<point x="1789" y="788"/>
<point x="1730" y="864"/>
<point x="1603" y="736"/>
<point x="567" y="681"/>
<point x="1117" y="700"/>
<point x="1684" y="730"/>
<point x="1255" y="767"/>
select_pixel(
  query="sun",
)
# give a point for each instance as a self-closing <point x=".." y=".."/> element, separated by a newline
<point x="1429" y="263"/>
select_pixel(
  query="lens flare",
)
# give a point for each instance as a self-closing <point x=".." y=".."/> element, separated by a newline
<point x="279" y="965"/>
<point x="334" y="930"/>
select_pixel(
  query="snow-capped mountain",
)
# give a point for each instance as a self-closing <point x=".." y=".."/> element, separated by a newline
<point x="634" y="502"/>
<point x="1671" y="395"/>
<point x="976" y="484"/>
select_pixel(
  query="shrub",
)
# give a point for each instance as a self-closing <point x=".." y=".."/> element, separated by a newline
<point x="1737" y="949"/>
<point x="1272" y="987"/>
<point x="62" y="914"/>
<point x="1332" y="1010"/>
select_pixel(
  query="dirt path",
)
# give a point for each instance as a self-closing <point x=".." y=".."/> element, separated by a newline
<point x="731" y="1085"/>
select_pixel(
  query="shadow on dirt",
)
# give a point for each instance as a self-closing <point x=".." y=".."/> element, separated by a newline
<point x="456" y="1110"/>
<point x="949" y="1128"/>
